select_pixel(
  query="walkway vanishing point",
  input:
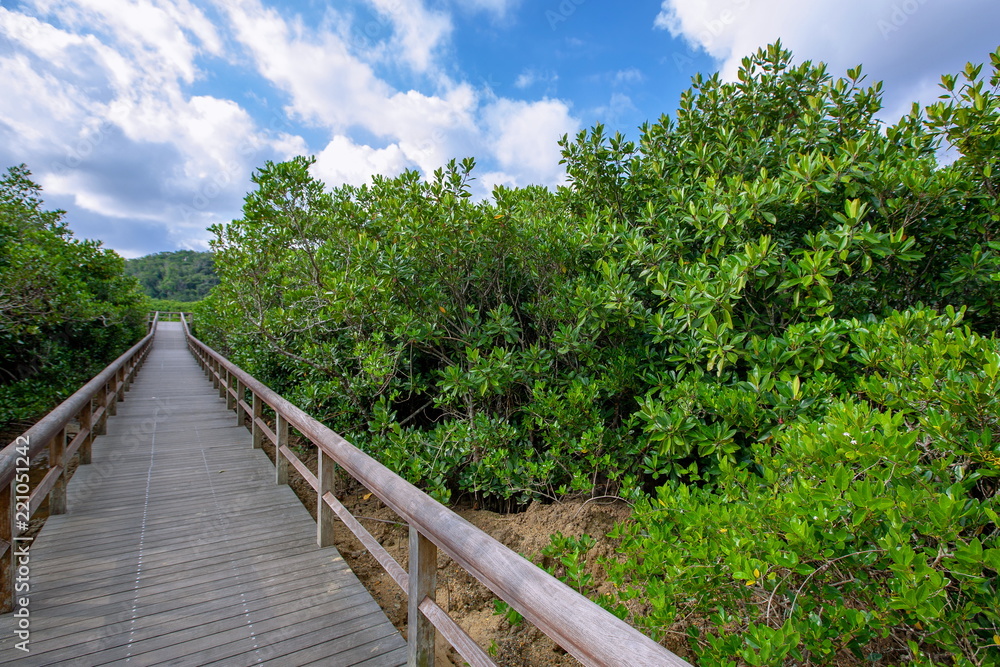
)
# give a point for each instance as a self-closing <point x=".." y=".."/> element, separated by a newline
<point x="173" y="545"/>
<point x="179" y="549"/>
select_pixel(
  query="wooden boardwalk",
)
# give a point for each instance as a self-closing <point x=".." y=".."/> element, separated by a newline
<point x="179" y="549"/>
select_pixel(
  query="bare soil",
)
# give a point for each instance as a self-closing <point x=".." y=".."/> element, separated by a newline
<point x="465" y="599"/>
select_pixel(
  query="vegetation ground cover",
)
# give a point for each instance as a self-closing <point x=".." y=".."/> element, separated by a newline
<point x="769" y="323"/>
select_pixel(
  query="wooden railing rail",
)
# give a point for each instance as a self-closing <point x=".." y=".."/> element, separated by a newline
<point x="588" y="632"/>
<point x="90" y="407"/>
<point x="170" y="316"/>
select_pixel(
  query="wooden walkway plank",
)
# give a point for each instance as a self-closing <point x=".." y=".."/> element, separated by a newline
<point x="179" y="549"/>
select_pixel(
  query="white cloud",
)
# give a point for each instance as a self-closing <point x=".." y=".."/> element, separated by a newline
<point x="343" y="161"/>
<point x="619" y="106"/>
<point x="418" y="32"/>
<point x="627" y="76"/>
<point x="333" y="88"/>
<point x="531" y="76"/>
<point x="499" y="8"/>
<point x="523" y="136"/>
<point x="102" y="116"/>
<point x="110" y="111"/>
<point x="906" y="43"/>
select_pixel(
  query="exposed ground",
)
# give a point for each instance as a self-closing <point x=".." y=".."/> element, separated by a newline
<point x="467" y="601"/>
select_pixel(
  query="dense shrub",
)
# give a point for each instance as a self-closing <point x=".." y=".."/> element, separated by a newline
<point x="66" y="306"/>
<point x="769" y="323"/>
<point x="181" y="275"/>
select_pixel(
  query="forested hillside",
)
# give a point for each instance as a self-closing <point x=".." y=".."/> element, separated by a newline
<point x="181" y="275"/>
<point x="67" y="308"/>
<point x="769" y="324"/>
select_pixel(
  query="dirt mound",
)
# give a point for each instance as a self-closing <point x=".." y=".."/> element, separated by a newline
<point x="466" y="600"/>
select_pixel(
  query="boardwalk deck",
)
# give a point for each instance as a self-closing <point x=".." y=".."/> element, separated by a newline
<point x="179" y="549"/>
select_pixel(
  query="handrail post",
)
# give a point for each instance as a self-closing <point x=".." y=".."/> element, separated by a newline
<point x="326" y="481"/>
<point x="101" y="427"/>
<point x="240" y="412"/>
<point x="230" y="399"/>
<point x="280" y="462"/>
<point x="7" y="569"/>
<point x="57" y="496"/>
<point x="85" y="419"/>
<point x="110" y="396"/>
<point x="120" y="388"/>
<point x="257" y="435"/>
<point x="422" y="583"/>
<point x="127" y="376"/>
<point x="224" y="384"/>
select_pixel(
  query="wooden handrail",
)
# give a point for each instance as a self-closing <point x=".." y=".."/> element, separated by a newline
<point x="90" y="406"/>
<point x="171" y="315"/>
<point x="585" y="630"/>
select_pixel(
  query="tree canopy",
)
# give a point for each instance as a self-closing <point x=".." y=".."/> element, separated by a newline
<point x="181" y="275"/>
<point x="769" y="323"/>
<point x="66" y="306"/>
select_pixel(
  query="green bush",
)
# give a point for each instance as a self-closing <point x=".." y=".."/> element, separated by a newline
<point x="769" y="323"/>
<point x="169" y="306"/>
<point x="180" y="276"/>
<point x="66" y="306"/>
<point x="869" y="532"/>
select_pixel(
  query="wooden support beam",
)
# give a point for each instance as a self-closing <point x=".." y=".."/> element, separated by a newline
<point x="257" y="433"/>
<point x="110" y="396"/>
<point x="7" y="533"/>
<point x="280" y="462"/>
<point x="57" y="497"/>
<point x="230" y="395"/>
<point x="325" y="517"/>
<point x="240" y="412"/>
<point x="85" y="419"/>
<point x="423" y="584"/>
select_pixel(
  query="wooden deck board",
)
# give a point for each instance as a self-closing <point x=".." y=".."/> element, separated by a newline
<point x="179" y="549"/>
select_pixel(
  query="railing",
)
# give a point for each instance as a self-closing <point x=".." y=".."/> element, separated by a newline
<point x="90" y="407"/>
<point x="587" y="631"/>
<point x="170" y="316"/>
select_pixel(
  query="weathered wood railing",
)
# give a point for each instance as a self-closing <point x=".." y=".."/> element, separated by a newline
<point x="170" y="316"/>
<point x="585" y="630"/>
<point x="90" y="407"/>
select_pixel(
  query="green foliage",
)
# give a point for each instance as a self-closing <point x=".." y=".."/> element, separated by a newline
<point x="169" y="306"/>
<point x="870" y="530"/>
<point x="769" y="322"/>
<point x="66" y="306"/>
<point x="180" y="276"/>
<point x="465" y="343"/>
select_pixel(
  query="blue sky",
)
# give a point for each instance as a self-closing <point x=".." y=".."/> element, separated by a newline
<point x="144" y="119"/>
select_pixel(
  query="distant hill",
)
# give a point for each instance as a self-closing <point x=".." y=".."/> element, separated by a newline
<point x="182" y="275"/>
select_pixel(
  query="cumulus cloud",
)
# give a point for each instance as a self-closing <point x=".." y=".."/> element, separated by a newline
<point x="418" y="32"/>
<point x="343" y="161"/>
<point x="523" y="136"/>
<point x="903" y="42"/>
<point x="119" y="110"/>
<point x="102" y="83"/>
<point x="334" y="88"/>
<point x="628" y="76"/>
